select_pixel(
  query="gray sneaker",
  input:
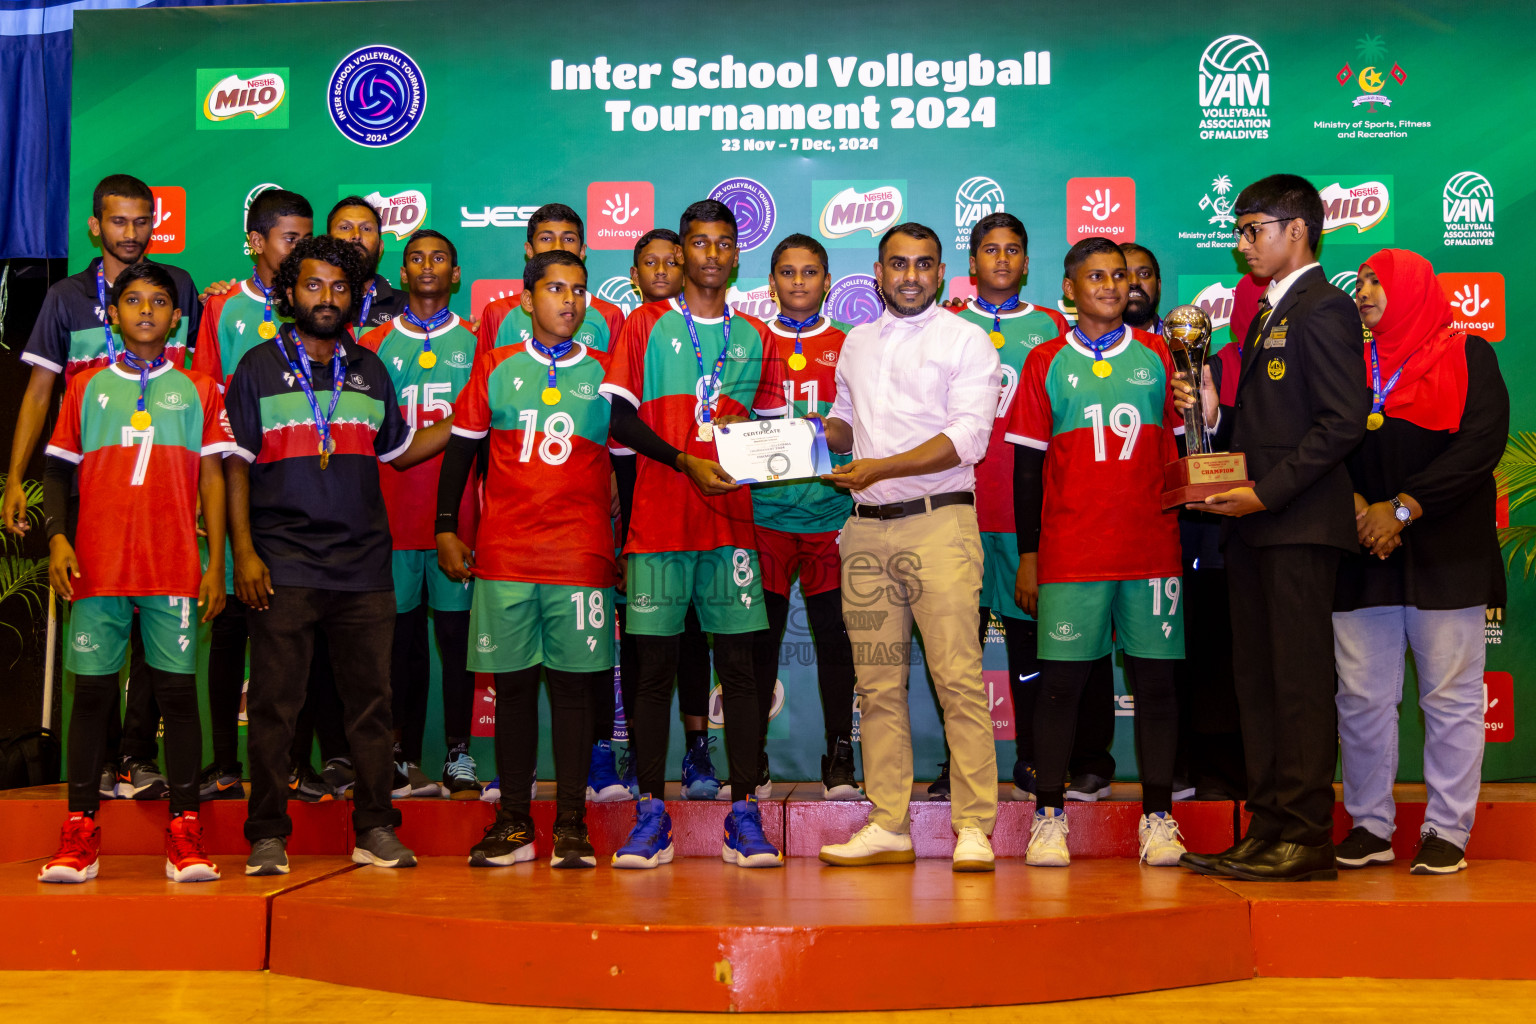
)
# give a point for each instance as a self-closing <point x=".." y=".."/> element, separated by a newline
<point x="379" y="845"/>
<point x="268" y="857"/>
<point x="339" y="774"/>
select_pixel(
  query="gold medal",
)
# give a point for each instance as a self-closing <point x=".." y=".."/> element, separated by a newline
<point x="1101" y="368"/>
<point x="797" y="361"/>
<point x="267" y="329"/>
<point x="1374" y="421"/>
<point x="706" y="431"/>
<point x="997" y="339"/>
<point x="551" y="396"/>
<point x="325" y="453"/>
<point x="427" y="360"/>
<point x="140" y="420"/>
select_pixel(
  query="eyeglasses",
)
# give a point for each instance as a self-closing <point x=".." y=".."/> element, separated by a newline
<point x="1251" y="231"/>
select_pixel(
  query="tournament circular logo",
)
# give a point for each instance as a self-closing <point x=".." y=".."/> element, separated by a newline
<point x="853" y="300"/>
<point x="377" y="96"/>
<point x="752" y="204"/>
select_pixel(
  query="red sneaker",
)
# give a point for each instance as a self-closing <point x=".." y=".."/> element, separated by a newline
<point x="185" y="860"/>
<point x="79" y="850"/>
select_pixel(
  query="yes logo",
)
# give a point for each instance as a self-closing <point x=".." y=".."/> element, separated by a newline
<point x="1104" y="207"/>
<point x="1477" y="303"/>
<point x="619" y="212"/>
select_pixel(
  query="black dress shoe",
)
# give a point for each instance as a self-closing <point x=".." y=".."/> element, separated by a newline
<point x="1287" y="862"/>
<point x="1216" y="863"/>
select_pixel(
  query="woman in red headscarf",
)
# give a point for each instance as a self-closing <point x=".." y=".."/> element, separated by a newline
<point x="1429" y="565"/>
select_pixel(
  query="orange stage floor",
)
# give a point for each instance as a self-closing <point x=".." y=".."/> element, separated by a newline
<point x="700" y="935"/>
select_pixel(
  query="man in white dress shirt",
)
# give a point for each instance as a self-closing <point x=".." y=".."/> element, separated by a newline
<point x="917" y="391"/>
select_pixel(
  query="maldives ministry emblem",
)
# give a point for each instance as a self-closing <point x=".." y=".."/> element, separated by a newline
<point x="377" y="96"/>
<point x="1371" y="79"/>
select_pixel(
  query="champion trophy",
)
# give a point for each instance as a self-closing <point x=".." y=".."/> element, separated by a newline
<point x="1201" y="472"/>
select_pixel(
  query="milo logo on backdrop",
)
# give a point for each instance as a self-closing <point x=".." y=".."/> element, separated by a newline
<point x="845" y="210"/>
<point x="1355" y="207"/>
<point x="242" y="98"/>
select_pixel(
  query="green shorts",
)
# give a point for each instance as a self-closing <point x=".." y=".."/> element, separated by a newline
<point x="513" y="626"/>
<point x="725" y="585"/>
<point x="98" y="634"/>
<point x="1147" y="617"/>
<point x="417" y="569"/>
<point x="999" y="573"/>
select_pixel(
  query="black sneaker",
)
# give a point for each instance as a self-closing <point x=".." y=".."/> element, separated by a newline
<point x="508" y="840"/>
<point x="1087" y="787"/>
<point x="141" y="779"/>
<point x="939" y="789"/>
<point x="220" y="783"/>
<point x="339" y="774"/>
<point x="1362" y="848"/>
<point x="1437" y="856"/>
<point x="304" y="783"/>
<point x="108" y="785"/>
<point x="381" y="847"/>
<point x="573" y="849"/>
<point x="269" y="856"/>
<point x="837" y="781"/>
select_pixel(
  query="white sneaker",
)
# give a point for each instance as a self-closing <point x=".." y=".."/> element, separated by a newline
<point x="871" y="845"/>
<point x="973" y="851"/>
<point x="1048" y="840"/>
<point x="1161" y="843"/>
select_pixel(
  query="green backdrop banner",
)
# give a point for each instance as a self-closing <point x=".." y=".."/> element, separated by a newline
<point x="465" y="115"/>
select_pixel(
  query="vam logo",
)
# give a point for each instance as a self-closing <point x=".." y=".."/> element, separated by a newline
<point x="976" y="198"/>
<point x="226" y="93"/>
<point x="1366" y="206"/>
<point x="1234" y="89"/>
<point x="620" y="292"/>
<point x="849" y="207"/>
<point x="1466" y="203"/>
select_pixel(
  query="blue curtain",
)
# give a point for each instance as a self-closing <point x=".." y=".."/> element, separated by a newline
<point x="36" y="51"/>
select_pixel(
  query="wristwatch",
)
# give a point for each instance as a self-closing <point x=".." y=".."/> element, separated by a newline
<point x="1402" y="512"/>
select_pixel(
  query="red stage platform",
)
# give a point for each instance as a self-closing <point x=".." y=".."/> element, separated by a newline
<point x="700" y="935"/>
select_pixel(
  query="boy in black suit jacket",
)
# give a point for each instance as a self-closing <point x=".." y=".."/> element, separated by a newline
<point x="1300" y="409"/>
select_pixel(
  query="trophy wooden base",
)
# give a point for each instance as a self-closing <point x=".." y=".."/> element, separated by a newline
<point x="1197" y="477"/>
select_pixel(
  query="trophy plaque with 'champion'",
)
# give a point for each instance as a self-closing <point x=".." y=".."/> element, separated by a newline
<point x="1202" y="472"/>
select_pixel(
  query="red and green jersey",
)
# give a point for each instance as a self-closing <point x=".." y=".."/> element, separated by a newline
<point x="230" y="328"/>
<point x="137" y="533"/>
<point x="805" y="506"/>
<point x="547" y="493"/>
<point x="426" y="395"/>
<point x="503" y="322"/>
<point x="656" y="370"/>
<point x="1106" y="441"/>
<point x="70" y="336"/>
<point x="1022" y="330"/>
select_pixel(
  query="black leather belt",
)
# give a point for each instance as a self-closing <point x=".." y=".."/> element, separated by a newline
<point x="917" y="506"/>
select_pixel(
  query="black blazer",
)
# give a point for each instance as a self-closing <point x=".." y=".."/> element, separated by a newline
<point x="1300" y="409"/>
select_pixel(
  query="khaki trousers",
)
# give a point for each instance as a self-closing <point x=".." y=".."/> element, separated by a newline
<point x="923" y="569"/>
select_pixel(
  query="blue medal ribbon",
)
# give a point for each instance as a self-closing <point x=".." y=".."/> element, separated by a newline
<point x="713" y="385"/>
<point x="554" y="355"/>
<point x="305" y="375"/>
<point x="797" y="326"/>
<point x="426" y="327"/>
<point x="266" y="293"/>
<point x="144" y="367"/>
<point x="1378" y="393"/>
<point x="1104" y="344"/>
<point x="101" y="302"/>
<point x="373" y="289"/>
<point x="998" y="310"/>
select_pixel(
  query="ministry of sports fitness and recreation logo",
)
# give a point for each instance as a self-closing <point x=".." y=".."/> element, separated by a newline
<point x="847" y="208"/>
<point x="377" y="96"/>
<point x="242" y="98"/>
<point x="621" y="292"/>
<point x="753" y="206"/>
<point x="975" y="198"/>
<point x="854" y="300"/>
<point x="1215" y="206"/>
<point x="1234" y="89"/>
<point x="1354" y="208"/>
<point x="1466" y="203"/>
<point x="1372" y="78"/>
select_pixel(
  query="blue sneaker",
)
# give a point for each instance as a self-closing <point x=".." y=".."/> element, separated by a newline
<point x="745" y="845"/>
<point x="627" y="772"/>
<point x="650" y="843"/>
<point x="603" y="783"/>
<point x="492" y="792"/>
<point x="699" y="782"/>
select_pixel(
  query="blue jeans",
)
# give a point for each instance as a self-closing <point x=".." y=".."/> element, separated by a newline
<point x="1370" y="645"/>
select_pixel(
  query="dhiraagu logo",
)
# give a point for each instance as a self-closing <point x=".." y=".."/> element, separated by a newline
<point x="242" y="98"/>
